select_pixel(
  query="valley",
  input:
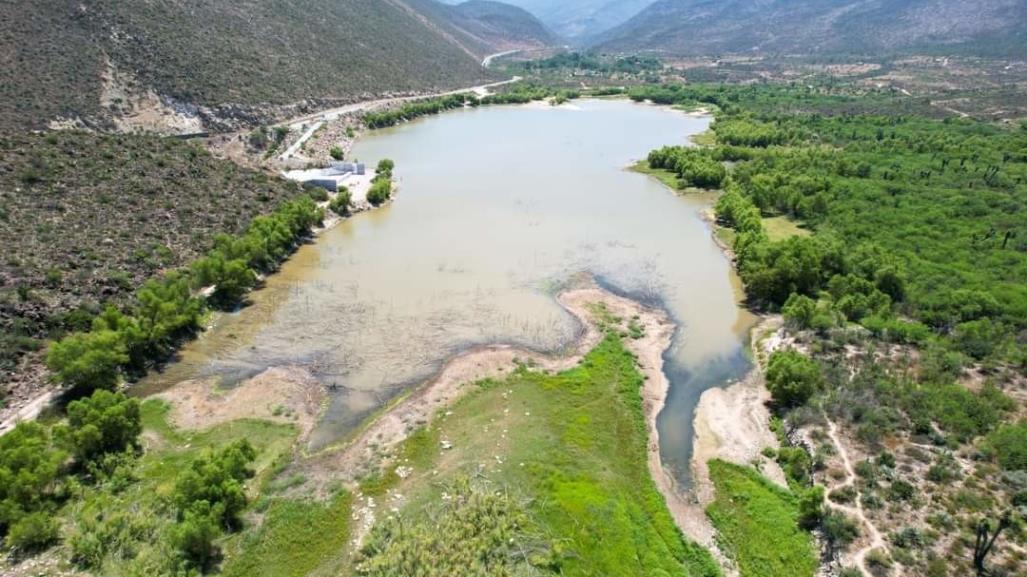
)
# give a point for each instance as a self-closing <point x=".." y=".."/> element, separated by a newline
<point x="422" y="288"/>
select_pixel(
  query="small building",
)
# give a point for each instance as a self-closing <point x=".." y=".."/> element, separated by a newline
<point x="329" y="184"/>
<point x="340" y="167"/>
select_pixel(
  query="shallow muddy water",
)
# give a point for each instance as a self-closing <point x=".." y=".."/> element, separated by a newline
<point x="497" y="208"/>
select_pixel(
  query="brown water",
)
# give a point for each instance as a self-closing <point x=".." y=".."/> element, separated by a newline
<point x="497" y="208"/>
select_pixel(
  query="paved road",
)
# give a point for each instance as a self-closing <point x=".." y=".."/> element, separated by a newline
<point x="488" y="59"/>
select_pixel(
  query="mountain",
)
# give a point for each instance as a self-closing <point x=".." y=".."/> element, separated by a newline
<point x="577" y="20"/>
<point x="91" y="60"/>
<point x="705" y="27"/>
<point x="497" y="25"/>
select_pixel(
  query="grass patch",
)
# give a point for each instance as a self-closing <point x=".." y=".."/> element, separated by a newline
<point x="756" y="522"/>
<point x="707" y="138"/>
<point x="572" y="448"/>
<point x="120" y="526"/>
<point x="667" y="177"/>
<point x="782" y="227"/>
<point x="296" y="538"/>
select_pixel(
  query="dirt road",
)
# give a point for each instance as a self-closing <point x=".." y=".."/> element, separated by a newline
<point x="310" y="123"/>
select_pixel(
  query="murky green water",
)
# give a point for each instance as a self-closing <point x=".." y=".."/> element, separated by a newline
<point x="497" y="206"/>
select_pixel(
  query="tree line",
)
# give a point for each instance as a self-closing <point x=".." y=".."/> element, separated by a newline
<point x="124" y="343"/>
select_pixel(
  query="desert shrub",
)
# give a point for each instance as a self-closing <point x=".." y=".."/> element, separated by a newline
<point x="908" y="538"/>
<point x="32" y="532"/>
<point x="796" y="464"/>
<point x="340" y="205"/>
<point x="845" y="494"/>
<point x="317" y="194"/>
<point x="1008" y="445"/>
<point x="839" y="530"/>
<point x="901" y="491"/>
<point x="336" y="153"/>
<point x="478" y="531"/>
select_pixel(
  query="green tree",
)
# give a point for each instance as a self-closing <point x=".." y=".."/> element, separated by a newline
<point x="216" y="478"/>
<point x="103" y="423"/>
<point x="30" y="482"/>
<point x="386" y="166"/>
<point x="84" y="362"/>
<point x="792" y="378"/>
<point x="194" y="535"/>
<point x="381" y="191"/>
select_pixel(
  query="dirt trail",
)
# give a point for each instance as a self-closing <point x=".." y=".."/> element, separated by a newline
<point x="29" y="410"/>
<point x="876" y="539"/>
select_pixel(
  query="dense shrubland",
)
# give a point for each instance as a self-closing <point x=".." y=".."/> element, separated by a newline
<point x="593" y="63"/>
<point x="915" y="274"/>
<point x="918" y="234"/>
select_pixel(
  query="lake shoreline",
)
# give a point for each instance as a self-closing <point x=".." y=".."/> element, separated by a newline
<point x="363" y="453"/>
<point x="731" y="422"/>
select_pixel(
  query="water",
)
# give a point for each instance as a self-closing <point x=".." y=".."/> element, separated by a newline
<point x="496" y="208"/>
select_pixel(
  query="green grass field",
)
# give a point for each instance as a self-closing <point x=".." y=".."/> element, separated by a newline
<point x="571" y="449"/>
<point x="757" y="526"/>
<point x="782" y="227"/>
<point x="297" y="538"/>
<point x="665" y="176"/>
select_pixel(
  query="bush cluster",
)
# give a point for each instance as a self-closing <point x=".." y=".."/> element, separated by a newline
<point x="35" y="470"/>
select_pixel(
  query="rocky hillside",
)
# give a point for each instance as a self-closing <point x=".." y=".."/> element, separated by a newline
<point x="495" y="25"/>
<point x="860" y="27"/>
<point x="197" y="63"/>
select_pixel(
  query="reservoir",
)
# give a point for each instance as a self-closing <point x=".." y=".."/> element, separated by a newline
<point x="497" y="208"/>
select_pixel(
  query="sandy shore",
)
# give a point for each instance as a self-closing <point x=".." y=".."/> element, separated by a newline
<point x="733" y="423"/>
<point x="280" y="394"/>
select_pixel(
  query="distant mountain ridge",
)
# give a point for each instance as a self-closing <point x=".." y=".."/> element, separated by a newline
<point x="579" y="20"/>
<point x="708" y="27"/>
<point x="87" y="60"/>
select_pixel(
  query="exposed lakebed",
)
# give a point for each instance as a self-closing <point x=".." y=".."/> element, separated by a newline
<point x="498" y="207"/>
